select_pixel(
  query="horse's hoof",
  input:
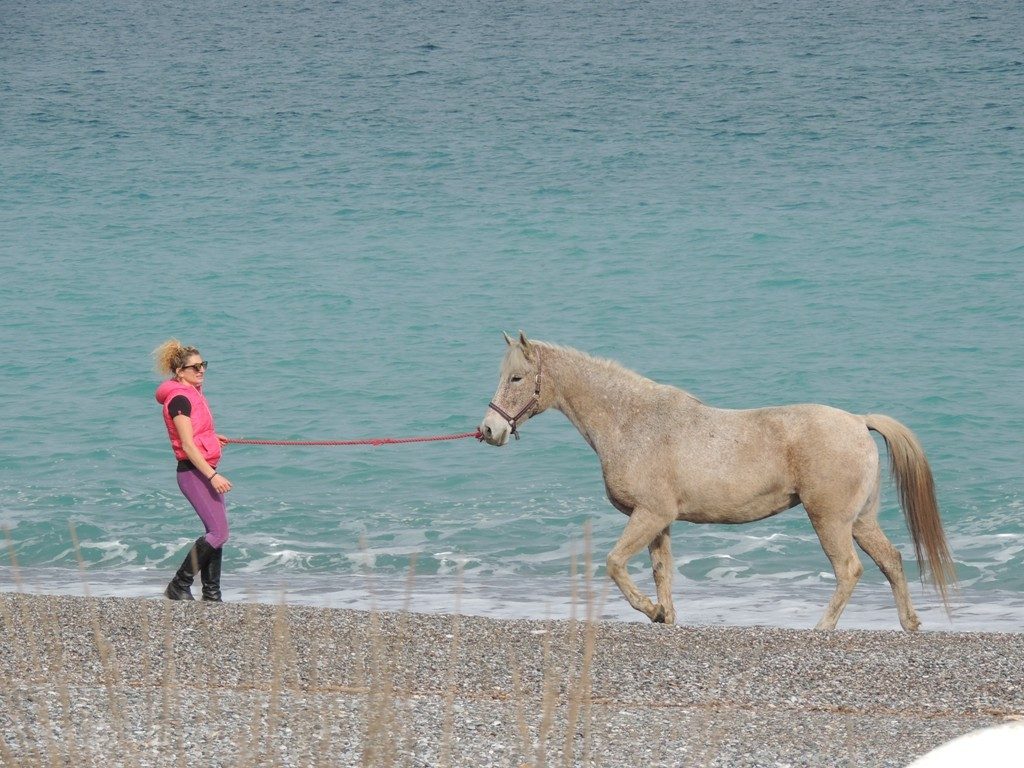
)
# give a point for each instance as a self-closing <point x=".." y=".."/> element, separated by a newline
<point x="659" y="615"/>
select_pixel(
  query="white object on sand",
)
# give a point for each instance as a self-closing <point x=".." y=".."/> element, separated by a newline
<point x="1001" y="746"/>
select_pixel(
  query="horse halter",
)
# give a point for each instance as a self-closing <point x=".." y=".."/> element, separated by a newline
<point x="533" y="403"/>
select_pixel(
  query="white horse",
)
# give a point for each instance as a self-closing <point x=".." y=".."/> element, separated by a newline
<point x="667" y="456"/>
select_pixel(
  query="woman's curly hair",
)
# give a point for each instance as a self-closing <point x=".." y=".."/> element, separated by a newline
<point x="171" y="355"/>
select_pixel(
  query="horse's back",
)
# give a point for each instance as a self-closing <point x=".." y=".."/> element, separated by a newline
<point x="805" y="426"/>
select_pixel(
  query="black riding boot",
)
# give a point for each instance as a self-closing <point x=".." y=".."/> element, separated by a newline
<point x="210" y="576"/>
<point x="196" y="559"/>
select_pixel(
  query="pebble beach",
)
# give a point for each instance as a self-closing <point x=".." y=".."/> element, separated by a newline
<point x="344" y="205"/>
<point x="146" y="682"/>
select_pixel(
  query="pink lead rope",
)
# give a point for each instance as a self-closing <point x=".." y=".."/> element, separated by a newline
<point x="375" y="441"/>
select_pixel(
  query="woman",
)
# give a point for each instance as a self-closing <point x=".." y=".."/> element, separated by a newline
<point x="197" y="447"/>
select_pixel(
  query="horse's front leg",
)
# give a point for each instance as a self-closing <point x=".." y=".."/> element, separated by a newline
<point x="643" y="527"/>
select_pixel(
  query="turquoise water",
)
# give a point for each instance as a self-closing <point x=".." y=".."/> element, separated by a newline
<point x="344" y="204"/>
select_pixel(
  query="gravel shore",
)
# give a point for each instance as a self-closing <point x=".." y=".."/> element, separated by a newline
<point x="139" y="682"/>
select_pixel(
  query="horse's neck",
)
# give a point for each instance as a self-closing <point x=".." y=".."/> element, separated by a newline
<point x="596" y="396"/>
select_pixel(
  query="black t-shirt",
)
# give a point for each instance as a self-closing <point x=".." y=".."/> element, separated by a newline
<point x="179" y="406"/>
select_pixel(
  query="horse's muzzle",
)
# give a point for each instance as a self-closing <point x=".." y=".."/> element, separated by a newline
<point x="494" y="430"/>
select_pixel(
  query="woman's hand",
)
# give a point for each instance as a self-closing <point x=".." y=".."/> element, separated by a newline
<point x="223" y="440"/>
<point x="220" y="483"/>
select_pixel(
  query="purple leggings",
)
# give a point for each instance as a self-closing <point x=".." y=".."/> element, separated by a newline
<point x="208" y="503"/>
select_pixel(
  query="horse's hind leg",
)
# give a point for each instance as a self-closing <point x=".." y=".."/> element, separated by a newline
<point x="874" y="542"/>
<point x="836" y="537"/>
<point x="661" y="562"/>
<point x="642" y="528"/>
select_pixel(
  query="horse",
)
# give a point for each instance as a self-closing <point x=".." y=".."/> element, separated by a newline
<point x="666" y="456"/>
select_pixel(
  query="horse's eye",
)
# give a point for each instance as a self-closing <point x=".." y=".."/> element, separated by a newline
<point x="516" y="379"/>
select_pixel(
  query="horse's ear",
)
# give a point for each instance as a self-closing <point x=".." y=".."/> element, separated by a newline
<point x="527" y="345"/>
<point x="508" y="339"/>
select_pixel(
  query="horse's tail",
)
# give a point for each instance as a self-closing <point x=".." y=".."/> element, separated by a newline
<point x="914" y="481"/>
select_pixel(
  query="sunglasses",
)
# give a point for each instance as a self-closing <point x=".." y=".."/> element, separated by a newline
<point x="197" y="367"/>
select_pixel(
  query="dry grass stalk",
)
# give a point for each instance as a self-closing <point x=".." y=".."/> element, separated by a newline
<point x="380" y="711"/>
<point x="448" y="722"/>
<point x="147" y="670"/>
<point x="69" y="730"/>
<point x="27" y="746"/>
<point x="112" y="677"/>
<point x="402" y="644"/>
<point x="549" y="701"/>
<point x="579" y="694"/>
<point x="375" y="678"/>
<point x="324" y="755"/>
<point x="40" y="678"/>
<point x="278" y="645"/>
<point x="519" y="700"/>
<point x="170" y="701"/>
<point x="41" y="700"/>
<point x="247" y="742"/>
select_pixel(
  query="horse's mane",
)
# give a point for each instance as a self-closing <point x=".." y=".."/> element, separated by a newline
<point x="612" y="367"/>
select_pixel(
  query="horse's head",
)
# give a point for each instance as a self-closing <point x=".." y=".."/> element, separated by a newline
<point x="518" y="395"/>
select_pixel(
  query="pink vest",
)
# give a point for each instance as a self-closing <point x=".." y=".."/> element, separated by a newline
<point x="203" y="434"/>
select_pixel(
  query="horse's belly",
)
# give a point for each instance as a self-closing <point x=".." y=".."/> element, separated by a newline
<point x="737" y="510"/>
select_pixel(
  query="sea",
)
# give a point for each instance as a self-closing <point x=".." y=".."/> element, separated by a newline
<point x="343" y="204"/>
